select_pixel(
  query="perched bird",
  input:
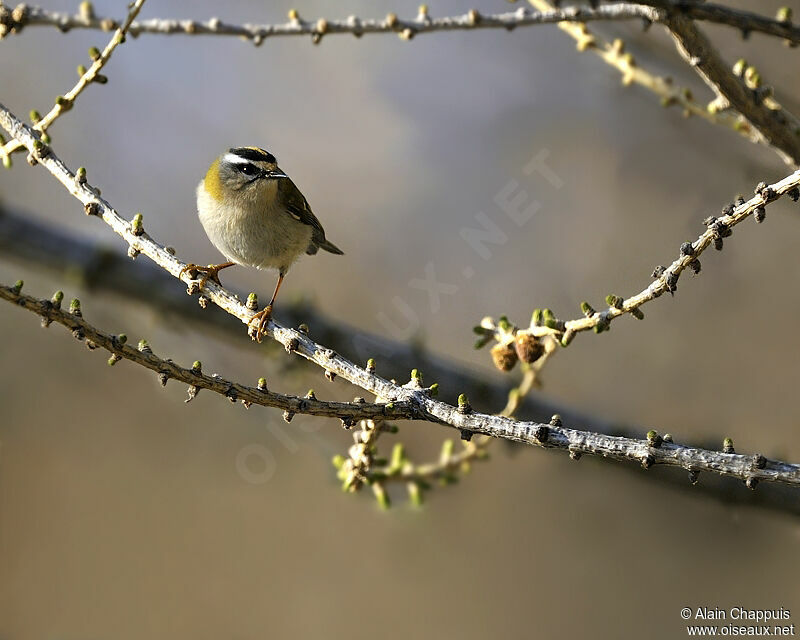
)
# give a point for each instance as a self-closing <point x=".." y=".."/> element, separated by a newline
<point x="256" y="217"/>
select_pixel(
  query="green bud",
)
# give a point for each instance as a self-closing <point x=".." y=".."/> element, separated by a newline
<point x="416" y="374"/>
<point x="35" y="116"/>
<point x="380" y="495"/>
<point x="262" y="384"/>
<point x="75" y="306"/>
<point x="398" y="456"/>
<point x="338" y="461"/>
<point x="435" y="389"/>
<point x="57" y="298"/>
<point x="447" y="451"/>
<point x="414" y="493"/>
<point x="94" y="53"/>
<point x="81" y="70"/>
<point x="536" y="317"/>
<point x="784" y="14"/>
<point x="18" y="286"/>
<point x="7" y="162"/>
<point x="740" y="67"/>
<point x="197" y="366"/>
<point x="136" y="225"/>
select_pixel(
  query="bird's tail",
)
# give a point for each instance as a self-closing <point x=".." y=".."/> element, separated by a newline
<point x="330" y="247"/>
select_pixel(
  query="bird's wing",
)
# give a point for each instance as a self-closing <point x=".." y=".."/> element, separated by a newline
<point x="297" y="206"/>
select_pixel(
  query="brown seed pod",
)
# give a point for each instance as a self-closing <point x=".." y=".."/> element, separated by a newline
<point x="504" y="356"/>
<point x="528" y="347"/>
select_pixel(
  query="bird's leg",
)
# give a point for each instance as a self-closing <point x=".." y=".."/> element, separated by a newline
<point x="211" y="272"/>
<point x="258" y="323"/>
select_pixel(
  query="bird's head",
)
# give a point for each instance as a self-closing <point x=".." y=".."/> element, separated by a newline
<point x="244" y="172"/>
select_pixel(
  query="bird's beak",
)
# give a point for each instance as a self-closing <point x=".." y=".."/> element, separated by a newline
<point x="274" y="175"/>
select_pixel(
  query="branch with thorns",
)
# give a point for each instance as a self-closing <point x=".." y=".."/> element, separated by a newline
<point x="13" y="21"/>
<point x="648" y="452"/>
<point x="87" y="76"/>
<point x="544" y="323"/>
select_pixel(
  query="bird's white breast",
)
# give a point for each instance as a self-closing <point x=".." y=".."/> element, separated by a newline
<point x="253" y="231"/>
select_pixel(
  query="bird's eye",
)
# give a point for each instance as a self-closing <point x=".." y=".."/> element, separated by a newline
<point x="248" y="169"/>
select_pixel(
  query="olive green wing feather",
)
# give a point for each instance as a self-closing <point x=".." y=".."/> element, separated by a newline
<point x="298" y="207"/>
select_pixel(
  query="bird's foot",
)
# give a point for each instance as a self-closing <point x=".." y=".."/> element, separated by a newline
<point x="211" y="272"/>
<point x="257" y="326"/>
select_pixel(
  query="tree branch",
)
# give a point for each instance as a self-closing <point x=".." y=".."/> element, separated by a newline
<point x="615" y="55"/>
<point x="353" y="25"/>
<point x="666" y="278"/>
<point x="747" y="21"/>
<point x="50" y="311"/>
<point x="646" y="452"/>
<point x="92" y="74"/>
<point x="778" y="127"/>
<point x="739" y="19"/>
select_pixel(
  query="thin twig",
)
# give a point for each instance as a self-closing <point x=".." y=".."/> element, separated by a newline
<point x="615" y="55"/>
<point x="117" y="345"/>
<point x="92" y="74"/>
<point x="744" y="20"/>
<point x="778" y="127"/>
<point x="353" y="25"/>
<point x="463" y="418"/>
<point x="666" y="278"/>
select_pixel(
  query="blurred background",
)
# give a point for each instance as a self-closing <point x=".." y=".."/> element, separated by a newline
<point x="125" y="513"/>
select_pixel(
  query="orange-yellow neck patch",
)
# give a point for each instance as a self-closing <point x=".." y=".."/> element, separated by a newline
<point x="212" y="182"/>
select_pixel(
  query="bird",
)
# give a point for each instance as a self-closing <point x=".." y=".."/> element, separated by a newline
<point x="256" y="217"/>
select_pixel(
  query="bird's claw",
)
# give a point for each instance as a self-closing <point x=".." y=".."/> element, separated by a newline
<point x="210" y="272"/>
<point x="257" y="326"/>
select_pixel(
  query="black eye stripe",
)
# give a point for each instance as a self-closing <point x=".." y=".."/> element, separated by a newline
<point x="248" y="169"/>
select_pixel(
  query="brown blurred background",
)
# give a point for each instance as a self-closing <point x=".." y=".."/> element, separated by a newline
<point x="125" y="513"/>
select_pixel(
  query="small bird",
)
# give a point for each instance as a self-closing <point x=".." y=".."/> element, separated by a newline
<point x="256" y="217"/>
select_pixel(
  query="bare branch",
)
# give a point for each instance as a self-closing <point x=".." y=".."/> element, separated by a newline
<point x="423" y="23"/>
<point x="747" y="21"/>
<point x="778" y="127"/>
<point x="50" y="311"/>
<point x="92" y="74"/>
<point x="353" y="25"/>
<point x="646" y="452"/>
<point x="666" y="278"/>
<point x="615" y="55"/>
<point x="99" y="268"/>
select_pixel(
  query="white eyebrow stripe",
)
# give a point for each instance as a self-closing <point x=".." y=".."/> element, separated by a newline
<point x="232" y="158"/>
